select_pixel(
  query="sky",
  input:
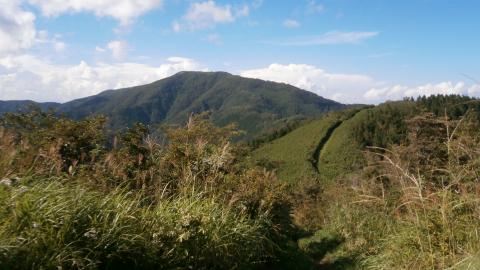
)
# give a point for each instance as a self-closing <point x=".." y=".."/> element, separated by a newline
<point x="351" y="51"/>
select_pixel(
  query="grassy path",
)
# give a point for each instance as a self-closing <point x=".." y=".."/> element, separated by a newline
<point x="295" y="154"/>
<point x="326" y="138"/>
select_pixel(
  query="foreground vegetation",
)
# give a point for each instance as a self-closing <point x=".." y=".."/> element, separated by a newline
<point x="72" y="200"/>
<point x="394" y="186"/>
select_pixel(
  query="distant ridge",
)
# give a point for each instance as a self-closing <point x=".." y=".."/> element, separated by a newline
<point x="254" y="104"/>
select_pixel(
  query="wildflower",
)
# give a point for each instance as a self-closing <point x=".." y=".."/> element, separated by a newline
<point x="6" y="182"/>
<point x="92" y="233"/>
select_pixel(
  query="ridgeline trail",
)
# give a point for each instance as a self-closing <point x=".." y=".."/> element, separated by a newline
<point x="318" y="150"/>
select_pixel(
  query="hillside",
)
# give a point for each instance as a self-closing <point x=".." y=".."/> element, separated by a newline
<point x="294" y="156"/>
<point x="255" y="105"/>
<point x="335" y="144"/>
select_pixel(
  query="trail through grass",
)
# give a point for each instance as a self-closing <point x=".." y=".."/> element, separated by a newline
<point x="295" y="155"/>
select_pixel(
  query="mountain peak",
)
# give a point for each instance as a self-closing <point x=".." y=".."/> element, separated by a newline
<point x="254" y="104"/>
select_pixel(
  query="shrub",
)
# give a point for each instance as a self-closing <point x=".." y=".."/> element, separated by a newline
<point x="419" y="207"/>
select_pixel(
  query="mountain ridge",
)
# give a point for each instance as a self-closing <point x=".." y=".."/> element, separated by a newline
<point x="256" y="105"/>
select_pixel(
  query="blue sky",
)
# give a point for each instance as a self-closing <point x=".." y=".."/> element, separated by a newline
<point x="350" y="51"/>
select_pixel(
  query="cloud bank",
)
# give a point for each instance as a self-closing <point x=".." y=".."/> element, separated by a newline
<point x="29" y="77"/>
<point x="353" y="88"/>
<point x="122" y="10"/>
<point x="17" y="27"/>
<point x="331" y="85"/>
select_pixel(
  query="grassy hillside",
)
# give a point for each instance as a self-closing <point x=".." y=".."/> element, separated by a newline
<point x="293" y="155"/>
<point x="333" y="146"/>
<point x="344" y="152"/>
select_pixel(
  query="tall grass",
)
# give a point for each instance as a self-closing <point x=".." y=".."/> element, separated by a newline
<point x="53" y="225"/>
<point x="420" y="209"/>
<point x="70" y="202"/>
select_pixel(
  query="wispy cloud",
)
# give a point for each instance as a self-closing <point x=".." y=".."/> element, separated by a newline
<point x="314" y="7"/>
<point x="289" y="23"/>
<point x="214" y="39"/>
<point x="118" y="48"/>
<point x="379" y="55"/>
<point x="329" y="38"/>
<point x="124" y="11"/>
<point x="207" y="14"/>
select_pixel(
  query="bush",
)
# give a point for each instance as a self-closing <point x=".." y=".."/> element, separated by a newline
<point x="417" y="205"/>
<point x="137" y="202"/>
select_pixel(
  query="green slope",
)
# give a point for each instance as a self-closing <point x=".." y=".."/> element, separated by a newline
<point x="293" y="155"/>
<point x="333" y="146"/>
<point x="342" y="153"/>
<point x="377" y="126"/>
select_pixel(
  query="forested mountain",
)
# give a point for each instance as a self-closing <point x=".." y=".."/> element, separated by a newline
<point x="22" y="105"/>
<point x="256" y="105"/>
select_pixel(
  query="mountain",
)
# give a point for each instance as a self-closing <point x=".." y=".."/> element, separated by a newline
<point x="20" y="105"/>
<point x="256" y="105"/>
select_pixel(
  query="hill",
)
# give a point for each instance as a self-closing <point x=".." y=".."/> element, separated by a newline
<point x="256" y="105"/>
<point x="333" y="146"/>
<point x="294" y="156"/>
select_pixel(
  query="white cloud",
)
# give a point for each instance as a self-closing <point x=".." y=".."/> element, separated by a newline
<point x="207" y="14"/>
<point x="314" y="7"/>
<point x="99" y="49"/>
<point x="291" y="23"/>
<point x="332" y="37"/>
<point x="399" y="91"/>
<point x="59" y="46"/>
<point x="118" y="49"/>
<point x="18" y="31"/>
<point x="43" y="37"/>
<point x="242" y="11"/>
<point x="342" y="87"/>
<point x="17" y="27"/>
<point x="474" y="90"/>
<point x="214" y="39"/>
<point x="176" y="27"/>
<point x="29" y="77"/>
<point x="353" y="88"/>
<point x="122" y="10"/>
